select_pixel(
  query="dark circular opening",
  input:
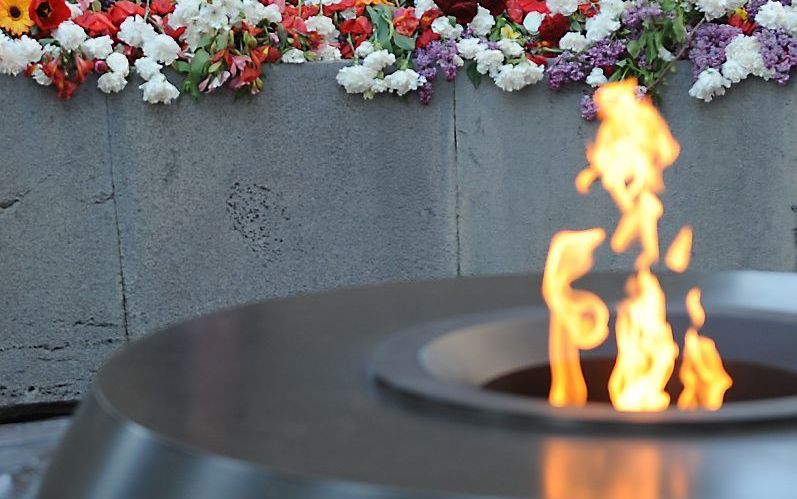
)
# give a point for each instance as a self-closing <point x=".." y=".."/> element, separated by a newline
<point x="751" y="381"/>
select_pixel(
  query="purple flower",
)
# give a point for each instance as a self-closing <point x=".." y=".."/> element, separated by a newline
<point x="779" y="51"/>
<point x="635" y="15"/>
<point x="569" y="67"/>
<point x="426" y="60"/>
<point x="565" y="68"/>
<point x="589" y="109"/>
<point x="707" y="49"/>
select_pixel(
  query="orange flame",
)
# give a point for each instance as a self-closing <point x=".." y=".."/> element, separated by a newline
<point x="702" y="373"/>
<point x="679" y="254"/>
<point x="579" y="319"/>
<point x="632" y="148"/>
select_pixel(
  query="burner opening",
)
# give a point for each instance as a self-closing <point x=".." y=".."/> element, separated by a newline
<point x="496" y="365"/>
<point x="752" y="381"/>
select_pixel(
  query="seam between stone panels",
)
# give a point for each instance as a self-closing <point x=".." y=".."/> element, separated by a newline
<point x="456" y="186"/>
<point x="116" y="219"/>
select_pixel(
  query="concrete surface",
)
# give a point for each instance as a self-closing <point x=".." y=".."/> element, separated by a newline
<point x="118" y="218"/>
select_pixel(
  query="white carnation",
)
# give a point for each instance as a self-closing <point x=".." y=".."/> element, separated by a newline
<point x="147" y="68"/>
<point x="327" y="52"/>
<point x="574" y="42"/>
<point x="293" y="56"/>
<point x="601" y="26"/>
<point x="356" y="79"/>
<point x="404" y="81"/>
<point x="565" y="7"/>
<point x="718" y="8"/>
<point x="489" y="61"/>
<point x="159" y="90"/>
<point x="117" y="63"/>
<point x="322" y="25"/>
<point x="74" y="10"/>
<point x="12" y="57"/>
<point x="29" y="49"/>
<point x="469" y="48"/>
<point x="98" y="48"/>
<point x="596" y="78"/>
<point x="162" y="48"/>
<point x="443" y="27"/>
<point x="364" y="49"/>
<point x="422" y="6"/>
<point x="775" y="15"/>
<point x="482" y="23"/>
<point x="69" y="35"/>
<point x="710" y="83"/>
<point x="134" y="31"/>
<point x="41" y="78"/>
<point x="111" y="82"/>
<point x="743" y="58"/>
<point x="532" y="21"/>
<point x="510" y="78"/>
<point x="510" y="48"/>
<point x="272" y="14"/>
<point x="379" y="60"/>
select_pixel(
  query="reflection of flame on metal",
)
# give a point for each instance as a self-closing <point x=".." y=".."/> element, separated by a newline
<point x="632" y="148"/>
<point x="583" y="468"/>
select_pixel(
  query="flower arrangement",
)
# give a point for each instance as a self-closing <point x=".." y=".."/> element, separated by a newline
<point x="396" y="46"/>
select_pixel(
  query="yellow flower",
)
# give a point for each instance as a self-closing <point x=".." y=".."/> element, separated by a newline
<point x="506" y="32"/>
<point x="14" y="16"/>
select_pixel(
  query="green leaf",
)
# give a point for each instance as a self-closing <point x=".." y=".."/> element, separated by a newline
<point x="474" y="75"/>
<point x="634" y="47"/>
<point x="679" y="30"/>
<point x="182" y="66"/>
<point x="404" y="42"/>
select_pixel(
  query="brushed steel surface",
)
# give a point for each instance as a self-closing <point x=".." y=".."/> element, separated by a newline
<point x="273" y="400"/>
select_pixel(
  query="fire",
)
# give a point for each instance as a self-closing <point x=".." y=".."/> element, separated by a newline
<point x="579" y="319"/>
<point x="632" y="149"/>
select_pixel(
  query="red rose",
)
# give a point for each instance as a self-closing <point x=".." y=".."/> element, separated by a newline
<point x="429" y="16"/>
<point x="48" y="14"/>
<point x="96" y="24"/>
<point x="426" y="37"/>
<point x="496" y="7"/>
<point x="123" y="9"/>
<point x="161" y="7"/>
<point x="589" y="9"/>
<point x="553" y="28"/>
<point x="463" y="10"/>
<point x="358" y="29"/>
<point x="405" y="21"/>
<point x="742" y="23"/>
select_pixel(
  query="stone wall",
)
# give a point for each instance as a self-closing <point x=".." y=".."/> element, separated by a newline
<point x="118" y="218"/>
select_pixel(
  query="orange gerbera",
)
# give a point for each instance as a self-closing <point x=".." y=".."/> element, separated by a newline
<point x="14" y="16"/>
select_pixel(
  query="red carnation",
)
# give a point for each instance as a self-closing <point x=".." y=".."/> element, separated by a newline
<point x="463" y="10"/>
<point x="426" y="37"/>
<point x="96" y="24"/>
<point x="405" y="21"/>
<point x="553" y="28"/>
<point x="496" y="7"/>
<point x="161" y="7"/>
<point x="48" y="14"/>
<point x="123" y="9"/>
<point x="359" y="29"/>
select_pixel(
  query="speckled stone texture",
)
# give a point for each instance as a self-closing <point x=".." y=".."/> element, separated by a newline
<point x="61" y="310"/>
<point x="118" y="217"/>
<point x="301" y="188"/>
